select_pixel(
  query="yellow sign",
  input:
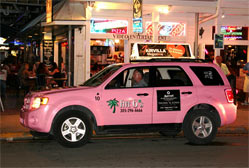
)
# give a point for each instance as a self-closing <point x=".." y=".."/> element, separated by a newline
<point x="49" y="11"/>
<point x="137" y="9"/>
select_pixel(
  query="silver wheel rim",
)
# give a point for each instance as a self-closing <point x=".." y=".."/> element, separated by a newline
<point x="202" y="127"/>
<point x="73" y="129"/>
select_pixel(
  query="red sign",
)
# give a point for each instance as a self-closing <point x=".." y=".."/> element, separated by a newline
<point x="176" y="51"/>
<point x="119" y="31"/>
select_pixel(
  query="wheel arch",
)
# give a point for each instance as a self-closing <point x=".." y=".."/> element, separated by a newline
<point x="78" y="108"/>
<point x="204" y="106"/>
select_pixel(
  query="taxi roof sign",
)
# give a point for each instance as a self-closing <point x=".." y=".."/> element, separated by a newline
<point x="173" y="60"/>
<point x="146" y="51"/>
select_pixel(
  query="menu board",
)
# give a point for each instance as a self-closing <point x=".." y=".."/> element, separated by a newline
<point x="48" y="51"/>
<point x="168" y="100"/>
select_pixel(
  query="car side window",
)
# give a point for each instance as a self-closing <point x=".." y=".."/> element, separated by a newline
<point x="171" y="76"/>
<point x="137" y="77"/>
<point x="208" y="76"/>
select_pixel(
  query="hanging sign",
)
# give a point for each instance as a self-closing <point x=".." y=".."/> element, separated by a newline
<point x="49" y="11"/>
<point x="137" y="16"/>
<point x="219" y="41"/>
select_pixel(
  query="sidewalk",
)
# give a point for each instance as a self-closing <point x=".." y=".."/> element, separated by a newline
<point x="11" y="129"/>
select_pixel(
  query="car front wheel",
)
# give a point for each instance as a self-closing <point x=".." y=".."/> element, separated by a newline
<point x="73" y="129"/>
<point x="200" y="127"/>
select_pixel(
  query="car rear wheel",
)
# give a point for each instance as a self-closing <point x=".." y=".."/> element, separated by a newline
<point x="200" y="127"/>
<point x="73" y="129"/>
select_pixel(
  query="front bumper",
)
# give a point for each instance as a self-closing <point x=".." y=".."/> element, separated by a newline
<point x="37" y="120"/>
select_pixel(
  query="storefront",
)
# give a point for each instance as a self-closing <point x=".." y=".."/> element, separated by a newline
<point x="112" y="38"/>
<point x="235" y="51"/>
<point x="103" y="33"/>
<point x="106" y="50"/>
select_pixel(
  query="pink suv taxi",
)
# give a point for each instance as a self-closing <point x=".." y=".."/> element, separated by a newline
<point x="153" y="96"/>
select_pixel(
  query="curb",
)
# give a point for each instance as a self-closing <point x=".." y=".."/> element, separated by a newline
<point x="15" y="136"/>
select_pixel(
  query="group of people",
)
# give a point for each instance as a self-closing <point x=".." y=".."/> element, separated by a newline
<point x="37" y="76"/>
<point x="41" y="71"/>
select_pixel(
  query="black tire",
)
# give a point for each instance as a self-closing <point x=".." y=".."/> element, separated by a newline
<point x="77" y="129"/>
<point x="200" y="127"/>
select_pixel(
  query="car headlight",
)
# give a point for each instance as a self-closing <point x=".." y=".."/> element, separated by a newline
<point x="38" y="101"/>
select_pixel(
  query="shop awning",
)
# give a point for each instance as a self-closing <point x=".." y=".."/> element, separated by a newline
<point x="63" y="11"/>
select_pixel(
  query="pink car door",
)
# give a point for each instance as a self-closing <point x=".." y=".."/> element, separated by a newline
<point x="174" y="94"/>
<point x="124" y="102"/>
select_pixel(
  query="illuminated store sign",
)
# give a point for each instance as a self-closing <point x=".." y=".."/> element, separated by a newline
<point x="109" y="26"/>
<point x="232" y="32"/>
<point x="174" y="29"/>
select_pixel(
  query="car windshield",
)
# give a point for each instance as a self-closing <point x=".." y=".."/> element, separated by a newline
<point x="101" y="76"/>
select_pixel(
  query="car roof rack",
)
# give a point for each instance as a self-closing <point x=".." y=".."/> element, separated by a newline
<point x="172" y="60"/>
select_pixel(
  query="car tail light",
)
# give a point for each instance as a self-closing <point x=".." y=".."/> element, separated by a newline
<point x="229" y="95"/>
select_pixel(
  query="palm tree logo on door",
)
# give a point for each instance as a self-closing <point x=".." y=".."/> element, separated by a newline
<point x="112" y="104"/>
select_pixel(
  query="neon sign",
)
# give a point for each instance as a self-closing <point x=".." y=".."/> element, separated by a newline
<point x="232" y="32"/>
<point x="174" y="29"/>
<point x="109" y="26"/>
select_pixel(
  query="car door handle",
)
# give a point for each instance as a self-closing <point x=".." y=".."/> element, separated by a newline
<point x="186" y="92"/>
<point x="142" y="94"/>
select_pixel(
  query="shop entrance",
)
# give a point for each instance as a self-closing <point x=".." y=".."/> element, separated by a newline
<point x="105" y="52"/>
<point x="235" y="56"/>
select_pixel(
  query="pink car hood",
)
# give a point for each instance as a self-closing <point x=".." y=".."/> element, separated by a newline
<point x="65" y="90"/>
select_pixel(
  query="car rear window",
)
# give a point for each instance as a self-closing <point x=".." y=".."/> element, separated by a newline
<point x="171" y="76"/>
<point x="207" y="75"/>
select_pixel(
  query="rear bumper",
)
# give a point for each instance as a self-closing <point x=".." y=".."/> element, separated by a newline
<point x="228" y="113"/>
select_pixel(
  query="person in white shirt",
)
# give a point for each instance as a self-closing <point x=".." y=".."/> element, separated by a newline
<point x="223" y="66"/>
<point x="231" y="77"/>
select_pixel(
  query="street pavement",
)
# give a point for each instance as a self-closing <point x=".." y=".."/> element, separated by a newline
<point x="11" y="129"/>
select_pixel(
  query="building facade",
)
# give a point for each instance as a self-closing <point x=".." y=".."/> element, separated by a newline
<point x="88" y="35"/>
